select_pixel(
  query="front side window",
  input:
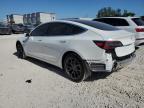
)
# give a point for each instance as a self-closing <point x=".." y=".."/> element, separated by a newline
<point x="40" y="30"/>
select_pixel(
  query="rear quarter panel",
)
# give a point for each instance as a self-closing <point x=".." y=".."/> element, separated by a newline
<point x="84" y="46"/>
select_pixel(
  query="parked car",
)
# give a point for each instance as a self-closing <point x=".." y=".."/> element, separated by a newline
<point x="28" y="28"/>
<point x="142" y="17"/>
<point x="79" y="47"/>
<point x="17" y="28"/>
<point x="131" y="24"/>
<point x="5" y="29"/>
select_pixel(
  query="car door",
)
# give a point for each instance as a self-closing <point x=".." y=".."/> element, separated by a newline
<point x="33" y="44"/>
<point x="57" y="40"/>
<point x="48" y="41"/>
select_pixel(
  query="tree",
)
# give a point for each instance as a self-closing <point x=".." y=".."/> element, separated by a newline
<point x="125" y="13"/>
<point x="106" y="12"/>
<point x="109" y="12"/>
<point x="118" y="12"/>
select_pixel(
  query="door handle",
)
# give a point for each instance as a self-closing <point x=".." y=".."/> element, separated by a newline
<point x="39" y="40"/>
<point x="62" y="41"/>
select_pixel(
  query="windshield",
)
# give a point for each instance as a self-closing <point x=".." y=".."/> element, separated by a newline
<point x="3" y="25"/>
<point x="20" y="25"/>
<point x="98" y="25"/>
<point x="138" y="21"/>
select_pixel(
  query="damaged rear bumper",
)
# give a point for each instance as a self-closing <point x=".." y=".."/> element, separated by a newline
<point x="110" y="64"/>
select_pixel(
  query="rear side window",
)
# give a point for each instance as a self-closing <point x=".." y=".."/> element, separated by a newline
<point x="98" y="25"/>
<point x="59" y="29"/>
<point x="113" y="21"/>
<point x="138" y="21"/>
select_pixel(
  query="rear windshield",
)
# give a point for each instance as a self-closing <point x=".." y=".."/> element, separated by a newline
<point x="98" y="25"/>
<point x="138" y="21"/>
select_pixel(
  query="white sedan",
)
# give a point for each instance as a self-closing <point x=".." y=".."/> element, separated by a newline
<point x="78" y="46"/>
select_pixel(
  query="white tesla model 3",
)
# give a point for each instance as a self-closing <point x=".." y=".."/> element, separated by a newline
<point x="79" y="46"/>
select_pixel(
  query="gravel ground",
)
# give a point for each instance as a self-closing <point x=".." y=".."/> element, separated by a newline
<point x="34" y="84"/>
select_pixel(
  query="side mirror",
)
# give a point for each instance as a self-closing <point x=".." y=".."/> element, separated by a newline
<point x="27" y="35"/>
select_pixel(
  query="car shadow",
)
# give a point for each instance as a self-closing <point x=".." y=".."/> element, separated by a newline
<point x="142" y="44"/>
<point x="45" y="65"/>
<point x="137" y="47"/>
<point x="59" y="71"/>
<point x="98" y="75"/>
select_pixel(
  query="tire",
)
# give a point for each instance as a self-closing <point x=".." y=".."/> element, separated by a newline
<point x="75" y="68"/>
<point x="20" y="51"/>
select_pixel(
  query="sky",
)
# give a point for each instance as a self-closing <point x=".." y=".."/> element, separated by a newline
<point x="68" y="8"/>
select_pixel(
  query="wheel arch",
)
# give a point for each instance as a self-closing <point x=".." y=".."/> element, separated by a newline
<point x="69" y="52"/>
<point x="87" y="72"/>
<point x="18" y="42"/>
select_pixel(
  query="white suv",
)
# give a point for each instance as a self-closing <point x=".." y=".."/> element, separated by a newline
<point x="131" y="24"/>
<point x="78" y="46"/>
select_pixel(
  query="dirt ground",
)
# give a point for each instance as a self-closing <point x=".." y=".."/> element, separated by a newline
<point x="34" y="84"/>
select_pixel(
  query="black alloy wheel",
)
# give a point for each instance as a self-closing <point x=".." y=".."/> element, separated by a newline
<point x="20" y="51"/>
<point x="75" y="68"/>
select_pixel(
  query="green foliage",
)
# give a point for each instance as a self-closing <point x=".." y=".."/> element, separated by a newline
<point x="109" y="12"/>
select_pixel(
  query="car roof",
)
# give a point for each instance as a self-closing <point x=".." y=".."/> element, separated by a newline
<point x="87" y="24"/>
<point x="119" y="17"/>
<point x="78" y="20"/>
<point x="69" y="20"/>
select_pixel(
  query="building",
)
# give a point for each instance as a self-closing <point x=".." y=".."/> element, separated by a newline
<point x="25" y="18"/>
<point x="44" y="17"/>
<point x="15" y="19"/>
<point x="38" y="18"/>
<point x="29" y="19"/>
<point x="33" y="18"/>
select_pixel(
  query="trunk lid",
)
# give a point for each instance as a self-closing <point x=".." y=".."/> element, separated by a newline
<point x="123" y="36"/>
<point x="126" y="38"/>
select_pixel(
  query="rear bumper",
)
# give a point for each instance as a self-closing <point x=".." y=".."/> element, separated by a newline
<point x="122" y="62"/>
<point x="110" y="64"/>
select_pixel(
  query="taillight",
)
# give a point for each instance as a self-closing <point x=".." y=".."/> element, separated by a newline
<point x="107" y="45"/>
<point x="139" y="29"/>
